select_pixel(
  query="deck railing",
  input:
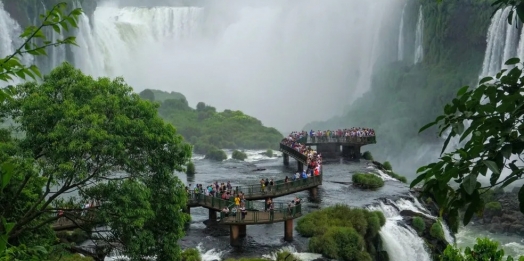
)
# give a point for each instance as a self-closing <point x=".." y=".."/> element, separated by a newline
<point x="293" y="153"/>
<point x="350" y="139"/>
<point x="279" y="187"/>
<point x="280" y="212"/>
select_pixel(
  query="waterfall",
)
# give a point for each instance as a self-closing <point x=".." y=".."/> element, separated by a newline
<point x="212" y="49"/>
<point x="401" y="239"/>
<point x="401" y="35"/>
<point x="419" y="37"/>
<point x="503" y="42"/>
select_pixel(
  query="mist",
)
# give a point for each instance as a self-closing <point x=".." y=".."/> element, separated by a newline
<point x="285" y="62"/>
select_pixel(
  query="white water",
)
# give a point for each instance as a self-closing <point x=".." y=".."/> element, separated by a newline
<point x="401" y="35"/>
<point x="401" y="242"/>
<point x="260" y="50"/>
<point x="9" y="40"/>
<point x="419" y="37"/>
<point x="503" y="43"/>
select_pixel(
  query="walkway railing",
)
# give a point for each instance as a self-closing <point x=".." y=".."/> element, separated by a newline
<point x="279" y="187"/>
<point x="350" y="139"/>
<point x="279" y="213"/>
<point x="293" y="153"/>
<point x="251" y="191"/>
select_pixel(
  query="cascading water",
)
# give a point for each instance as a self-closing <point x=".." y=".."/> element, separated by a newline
<point x="210" y="50"/>
<point x="419" y="37"/>
<point x="401" y="35"/>
<point x="503" y="43"/>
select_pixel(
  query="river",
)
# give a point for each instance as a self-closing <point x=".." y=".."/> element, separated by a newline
<point x="266" y="240"/>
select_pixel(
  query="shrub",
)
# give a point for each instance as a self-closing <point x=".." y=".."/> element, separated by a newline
<point x="436" y="231"/>
<point x="397" y="176"/>
<point x="269" y="153"/>
<point x="239" y="155"/>
<point x="190" y="169"/>
<point x="367" y="155"/>
<point x="367" y="181"/>
<point x="419" y="224"/>
<point x="286" y="256"/>
<point x="341" y="232"/>
<point x="484" y="249"/>
<point x="216" y="154"/>
<point x="191" y="254"/>
<point x="493" y="208"/>
<point x="387" y="165"/>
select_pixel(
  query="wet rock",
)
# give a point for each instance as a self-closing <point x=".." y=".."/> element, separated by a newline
<point x="259" y="169"/>
<point x="503" y="218"/>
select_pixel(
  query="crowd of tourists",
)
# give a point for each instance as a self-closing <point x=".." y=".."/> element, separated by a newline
<point x="339" y="135"/>
<point x="314" y="159"/>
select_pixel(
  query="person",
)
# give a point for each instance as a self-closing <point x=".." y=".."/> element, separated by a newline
<point x="225" y="210"/>
<point x="237" y="201"/>
<point x="243" y="211"/>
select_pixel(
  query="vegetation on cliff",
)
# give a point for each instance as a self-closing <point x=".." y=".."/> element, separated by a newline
<point x="239" y="155"/>
<point x="411" y="94"/>
<point x="343" y="233"/>
<point x="484" y="249"/>
<point x="208" y="130"/>
<point x="367" y="180"/>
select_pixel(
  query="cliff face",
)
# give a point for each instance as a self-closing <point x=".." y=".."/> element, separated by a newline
<point x="26" y="12"/>
<point x="405" y="96"/>
<point x="502" y="214"/>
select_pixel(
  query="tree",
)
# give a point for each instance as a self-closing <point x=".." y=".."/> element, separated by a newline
<point x="100" y="140"/>
<point x="147" y="94"/>
<point x="200" y="106"/>
<point x="11" y="67"/>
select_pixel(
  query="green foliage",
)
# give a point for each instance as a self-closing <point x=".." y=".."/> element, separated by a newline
<point x="11" y="66"/>
<point x="162" y="96"/>
<point x="342" y="233"/>
<point x="367" y="181"/>
<point x="78" y="131"/>
<point x="436" y="231"/>
<point x="69" y="257"/>
<point x="76" y="236"/>
<point x="239" y="155"/>
<point x="484" y="249"/>
<point x="190" y="168"/>
<point x="367" y="155"/>
<point x="419" y="224"/>
<point x="147" y="94"/>
<point x="493" y="138"/>
<point x="216" y="154"/>
<point x="269" y="153"/>
<point x="286" y="256"/>
<point x="494" y="206"/>
<point x="387" y="165"/>
<point x="206" y="128"/>
<point x="191" y="254"/>
<point x="397" y="176"/>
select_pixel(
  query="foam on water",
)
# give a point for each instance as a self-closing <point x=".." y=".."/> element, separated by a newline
<point x="305" y="256"/>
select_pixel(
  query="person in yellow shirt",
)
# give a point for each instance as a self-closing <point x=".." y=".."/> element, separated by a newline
<point x="237" y="201"/>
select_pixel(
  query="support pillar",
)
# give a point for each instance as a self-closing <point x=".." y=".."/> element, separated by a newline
<point x="313" y="192"/>
<point x="212" y="215"/>
<point x="300" y="166"/>
<point x="288" y="230"/>
<point x="242" y="230"/>
<point x="235" y="239"/>
<point x="286" y="159"/>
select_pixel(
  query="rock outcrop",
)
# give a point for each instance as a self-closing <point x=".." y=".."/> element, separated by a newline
<point x="501" y="214"/>
<point x="435" y="244"/>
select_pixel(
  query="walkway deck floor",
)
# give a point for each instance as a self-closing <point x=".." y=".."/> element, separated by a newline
<point x="257" y="217"/>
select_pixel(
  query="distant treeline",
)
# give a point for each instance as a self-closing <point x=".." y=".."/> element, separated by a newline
<point x="205" y="128"/>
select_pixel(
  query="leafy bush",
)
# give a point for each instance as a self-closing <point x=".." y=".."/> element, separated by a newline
<point x="397" y="176"/>
<point x="286" y="256"/>
<point x="387" y="165"/>
<point x="216" y="154"/>
<point x="367" y="181"/>
<point x="239" y="155"/>
<point x="191" y="254"/>
<point x="367" y="155"/>
<point x="341" y="232"/>
<point x="436" y="231"/>
<point x="190" y="169"/>
<point x="484" y="249"/>
<point x="419" y="224"/>
<point x="269" y="153"/>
